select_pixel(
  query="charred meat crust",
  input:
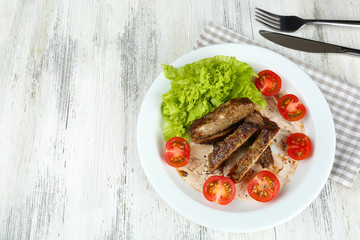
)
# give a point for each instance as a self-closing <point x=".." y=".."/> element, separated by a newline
<point x="247" y="161"/>
<point x="216" y="137"/>
<point x="223" y="149"/>
<point x="266" y="159"/>
<point x="255" y="117"/>
<point x="221" y="118"/>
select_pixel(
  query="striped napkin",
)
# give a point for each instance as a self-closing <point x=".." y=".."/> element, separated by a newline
<point x="343" y="99"/>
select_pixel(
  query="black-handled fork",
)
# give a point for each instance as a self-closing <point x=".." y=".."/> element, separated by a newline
<point x="293" y="23"/>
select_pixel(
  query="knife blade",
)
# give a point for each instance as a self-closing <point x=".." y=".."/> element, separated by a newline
<point x="306" y="45"/>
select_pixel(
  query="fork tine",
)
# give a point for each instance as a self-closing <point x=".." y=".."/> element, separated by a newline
<point x="268" y="13"/>
<point x="267" y="17"/>
<point x="268" y="25"/>
<point x="268" y="20"/>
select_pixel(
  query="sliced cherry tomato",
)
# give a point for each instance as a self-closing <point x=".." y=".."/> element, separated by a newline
<point x="298" y="146"/>
<point x="291" y="108"/>
<point x="219" y="189"/>
<point x="264" y="186"/>
<point x="177" y="152"/>
<point x="268" y="82"/>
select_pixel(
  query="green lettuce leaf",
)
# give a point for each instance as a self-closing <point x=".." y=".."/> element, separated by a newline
<point x="200" y="87"/>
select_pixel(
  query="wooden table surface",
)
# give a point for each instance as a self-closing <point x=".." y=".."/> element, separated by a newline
<point x="73" y="75"/>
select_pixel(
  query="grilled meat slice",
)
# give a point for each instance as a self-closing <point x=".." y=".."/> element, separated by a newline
<point x="266" y="159"/>
<point x="223" y="149"/>
<point x="221" y="118"/>
<point x="247" y="161"/>
<point x="216" y="137"/>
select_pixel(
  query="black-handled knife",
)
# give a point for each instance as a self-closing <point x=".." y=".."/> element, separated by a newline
<point x="306" y="45"/>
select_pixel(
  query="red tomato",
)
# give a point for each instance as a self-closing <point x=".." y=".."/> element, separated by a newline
<point x="219" y="189"/>
<point x="177" y="152"/>
<point x="264" y="186"/>
<point x="268" y="82"/>
<point x="298" y="146"/>
<point x="291" y="108"/>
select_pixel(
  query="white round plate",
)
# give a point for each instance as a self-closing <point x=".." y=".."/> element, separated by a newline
<point x="241" y="216"/>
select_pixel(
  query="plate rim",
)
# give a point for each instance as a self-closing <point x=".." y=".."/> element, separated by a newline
<point x="201" y="209"/>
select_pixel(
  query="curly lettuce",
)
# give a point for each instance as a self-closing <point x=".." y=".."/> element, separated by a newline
<point x="200" y="87"/>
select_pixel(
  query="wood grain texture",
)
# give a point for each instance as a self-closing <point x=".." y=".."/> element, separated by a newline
<point x="73" y="75"/>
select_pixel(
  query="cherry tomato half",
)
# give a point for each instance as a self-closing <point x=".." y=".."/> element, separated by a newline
<point x="264" y="186"/>
<point x="268" y="82"/>
<point x="291" y="108"/>
<point x="219" y="189"/>
<point x="177" y="152"/>
<point x="298" y="146"/>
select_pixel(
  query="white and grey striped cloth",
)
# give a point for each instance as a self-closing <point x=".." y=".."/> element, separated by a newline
<point x="343" y="99"/>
